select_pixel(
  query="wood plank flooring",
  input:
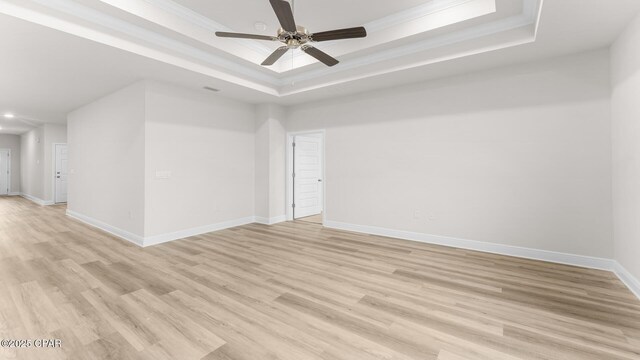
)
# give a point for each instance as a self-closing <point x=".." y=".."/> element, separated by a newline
<point x="316" y="219"/>
<point x="294" y="291"/>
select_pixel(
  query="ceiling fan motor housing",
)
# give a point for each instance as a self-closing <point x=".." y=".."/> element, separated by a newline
<point x="294" y="40"/>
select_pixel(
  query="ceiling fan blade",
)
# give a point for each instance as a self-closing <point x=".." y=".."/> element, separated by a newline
<point x="275" y="56"/>
<point x="285" y="15"/>
<point x="352" y="33"/>
<point x="245" y="36"/>
<point x="319" y="55"/>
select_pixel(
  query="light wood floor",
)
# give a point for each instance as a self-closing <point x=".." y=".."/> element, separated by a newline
<point x="316" y="219"/>
<point x="295" y="291"/>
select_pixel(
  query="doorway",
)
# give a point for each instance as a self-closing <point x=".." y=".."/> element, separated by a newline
<point x="305" y="183"/>
<point x="61" y="173"/>
<point x="5" y="171"/>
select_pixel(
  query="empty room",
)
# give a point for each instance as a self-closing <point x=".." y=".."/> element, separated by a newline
<point x="322" y="180"/>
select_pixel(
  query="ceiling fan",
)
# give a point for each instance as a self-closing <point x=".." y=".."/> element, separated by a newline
<point x="294" y="36"/>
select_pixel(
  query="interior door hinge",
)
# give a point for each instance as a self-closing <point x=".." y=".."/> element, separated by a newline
<point x="294" y="144"/>
<point x="293" y="206"/>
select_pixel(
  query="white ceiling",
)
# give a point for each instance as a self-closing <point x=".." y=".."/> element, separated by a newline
<point x="60" y="54"/>
<point x="316" y="15"/>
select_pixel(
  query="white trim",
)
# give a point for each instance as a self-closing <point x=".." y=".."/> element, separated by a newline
<point x="15" y="193"/>
<point x="270" y="221"/>
<point x="627" y="278"/>
<point x="411" y="14"/>
<point x="54" y="165"/>
<point x="537" y="14"/>
<point x="163" y="238"/>
<point x="479" y="31"/>
<point x="144" y="241"/>
<point x="192" y="58"/>
<point x="408" y="15"/>
<point x="111" y="39"/>
<point x="118" y="25"/>
<point x="551" y="256"/>
<point x="200" y="20"/>
<point x="36" y="200"/>
<point x="123" y="234"/>
<point x="289" y="167"/>
<point x="528" y="253"/>
<point x="9" y="171"/>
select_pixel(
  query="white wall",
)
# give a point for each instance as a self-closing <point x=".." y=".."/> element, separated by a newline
<point x="37" y="156"/>
<point x="517" y="156"/>
<point x="32" y="163"/>
<point x="277" y="164"/>
<point x="53" y="134"/>
<point x="121" y="145"/>
<point x="270" y="163"/>
<point x="262" y="149"/>
<point x="207" y="143"/>
<point x="106" y="160"/>
<point x="13" y="142"/>
<point x="625" y="55"/>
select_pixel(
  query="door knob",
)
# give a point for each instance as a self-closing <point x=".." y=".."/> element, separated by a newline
<point x="319" y="180"/>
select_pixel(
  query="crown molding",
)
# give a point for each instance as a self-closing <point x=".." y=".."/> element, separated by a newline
<point x="139" y="40"/>
<point x="476" y="32"/>
<point x="397" y="19"/>
<point x="204" y="22"/>
<point x="98" y="18"/>
<point x="417" y="12"/>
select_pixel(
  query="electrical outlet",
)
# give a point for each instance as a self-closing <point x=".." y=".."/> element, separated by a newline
<point x="163" y="174"/>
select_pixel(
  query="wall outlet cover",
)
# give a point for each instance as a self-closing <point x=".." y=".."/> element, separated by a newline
<point x="163" y="174"/>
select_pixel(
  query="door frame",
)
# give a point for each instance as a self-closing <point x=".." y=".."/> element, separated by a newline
<point x="9" y="173"/>
<point x="289" y="173"/>
<point x="53" y="168"/>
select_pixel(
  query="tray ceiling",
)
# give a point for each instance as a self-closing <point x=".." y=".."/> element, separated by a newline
<point x="403" y="34"/>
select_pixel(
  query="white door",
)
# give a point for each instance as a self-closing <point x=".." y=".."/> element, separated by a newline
<point x="307" y="183"/>
<point x="61" y="174"/>
<point x="4" y="172"/>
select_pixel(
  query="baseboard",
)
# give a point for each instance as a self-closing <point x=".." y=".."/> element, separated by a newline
<point x="36" y="200"/>
<point x="123" y="234"/>
<point x="163" y="238"/>
<point x="625" y="276"/>
<point x="145" y="241"/>
<point x="15" y="193"/>
<point x="556" y="257"/>
<point x="270" y="221"/>
<point x="535" y="254"/>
